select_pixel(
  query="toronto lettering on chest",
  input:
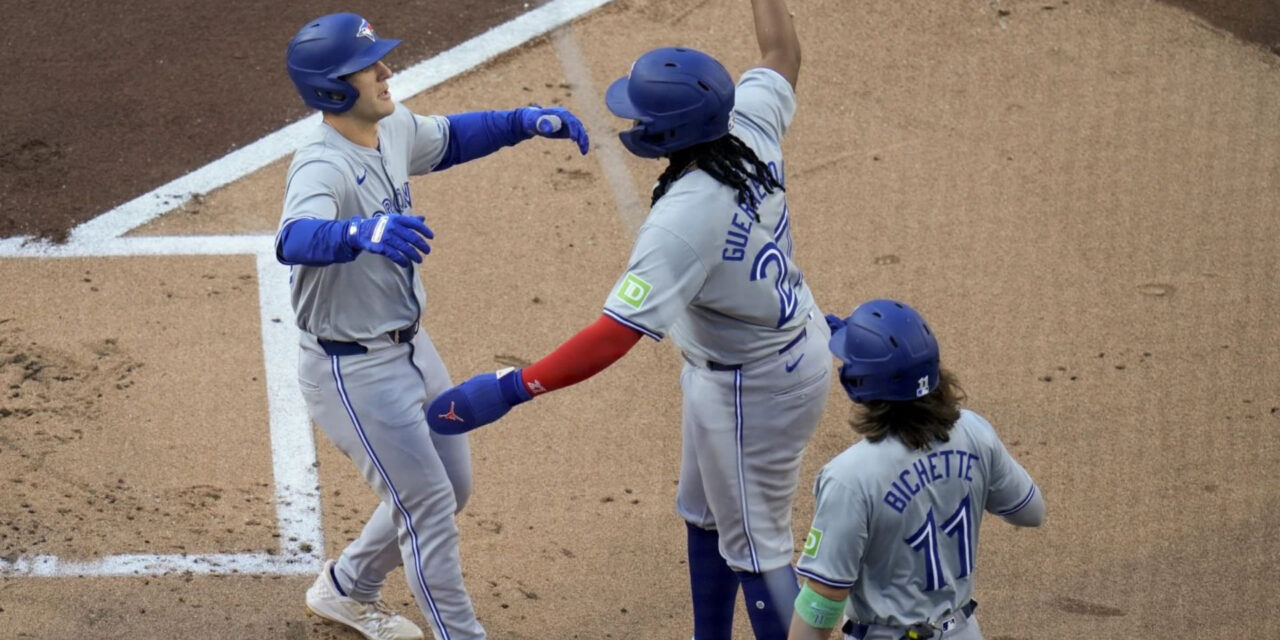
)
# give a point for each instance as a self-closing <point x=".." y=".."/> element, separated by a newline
<point x="927" y="469"/>
<point x="397" y="200"/>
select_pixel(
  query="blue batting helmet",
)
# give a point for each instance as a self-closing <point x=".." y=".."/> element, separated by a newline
<point x="888" y="352"/>
<point x="327" y="49"/>
<point x="678" y="98"/>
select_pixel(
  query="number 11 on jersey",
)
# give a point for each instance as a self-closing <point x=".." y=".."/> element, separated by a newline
<point x="925" y="540"/>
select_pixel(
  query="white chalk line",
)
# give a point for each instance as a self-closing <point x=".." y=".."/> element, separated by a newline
<point x="144" y="246"/>
<point x="141" y="564"/>
<point x="292" y="445"/>
<point x="404" y="85"/>
<point x="293" y="449"/>
<point x="293" y="452"/>
<point x="607" y="148"/>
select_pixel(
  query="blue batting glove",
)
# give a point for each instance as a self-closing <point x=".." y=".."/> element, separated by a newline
<point x="477" y="402"/>
<point x="401" y="238"/>
<point x="554" y="122"/>
<point x="834" y="322"/>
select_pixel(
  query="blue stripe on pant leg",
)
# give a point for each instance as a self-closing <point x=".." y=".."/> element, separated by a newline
<point x="742" y="476"/>
<point x="395" y="497"/>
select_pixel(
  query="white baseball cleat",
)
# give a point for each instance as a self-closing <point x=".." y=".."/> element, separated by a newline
<point x="374" y="620"/>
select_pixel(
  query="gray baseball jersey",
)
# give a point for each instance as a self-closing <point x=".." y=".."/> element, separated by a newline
<point x="723" y="283"/>
<point x="900" y="528"/>
<point x="371" y="403"/>
<point x="332" y="177"/>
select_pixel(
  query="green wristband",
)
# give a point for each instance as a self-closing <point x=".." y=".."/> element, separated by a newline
<point x="817" y="610"/>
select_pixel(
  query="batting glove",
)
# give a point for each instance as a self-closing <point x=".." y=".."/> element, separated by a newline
<point x="834" y="322"/>
<point x="400" y="238"/>
<point x="477" y="402"/>
<point x="554" y="122"/>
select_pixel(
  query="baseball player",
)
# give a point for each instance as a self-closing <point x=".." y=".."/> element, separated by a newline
<point x="895" y="530"/>
<point x="366" y="369"/>
<point x="712" y="267"/>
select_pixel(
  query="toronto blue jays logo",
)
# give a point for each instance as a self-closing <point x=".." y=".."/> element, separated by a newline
<point x="366" y="31"/>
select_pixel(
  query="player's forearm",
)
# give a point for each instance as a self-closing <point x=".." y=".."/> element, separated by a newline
<point x="817" y="610"/>
<point x="587" y="353"/>
<point x="776" y="35"/>
<point x="801" y="630"/>
<point x="480" y="133"/>
<point x="314" y="243"/>
<point x="487" y="397"/>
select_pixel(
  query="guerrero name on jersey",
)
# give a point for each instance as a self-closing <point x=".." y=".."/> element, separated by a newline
<point x="720" y="276"/>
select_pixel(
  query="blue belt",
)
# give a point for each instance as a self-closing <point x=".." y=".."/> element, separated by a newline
<point x="716" y="366"/>
<point x="917" y="632"/>
<point x="335" y="348"/>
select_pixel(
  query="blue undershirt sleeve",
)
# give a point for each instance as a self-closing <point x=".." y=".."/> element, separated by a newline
<point x="314" y="243"/>
<point x="480" y="133"/>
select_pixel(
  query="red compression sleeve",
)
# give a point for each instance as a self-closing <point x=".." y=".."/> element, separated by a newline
<point x="587" y="353"/>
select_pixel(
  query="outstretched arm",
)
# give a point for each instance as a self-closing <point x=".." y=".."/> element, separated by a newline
<point x="776" y="35"/>
<point x="489" y="396"/>
<point x="480" y="133"/>
<point x="589" y="352"/>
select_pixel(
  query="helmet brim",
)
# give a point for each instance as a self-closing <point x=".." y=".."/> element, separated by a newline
<point x="619" y="102"/>
<point x="836" y="344"/>
<point x="373" y="53"/>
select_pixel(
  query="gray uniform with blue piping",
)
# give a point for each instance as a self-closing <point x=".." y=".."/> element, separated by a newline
<point x="899" y="528"/>
<point x="367" y="372"/>
<point x="723" y="284"/>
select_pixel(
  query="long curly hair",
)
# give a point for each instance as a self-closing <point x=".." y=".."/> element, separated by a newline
<point x="917" y="423"/>
<point x="727" y="159"/>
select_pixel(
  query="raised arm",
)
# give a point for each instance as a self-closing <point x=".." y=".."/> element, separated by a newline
<point x="776" y="35"/>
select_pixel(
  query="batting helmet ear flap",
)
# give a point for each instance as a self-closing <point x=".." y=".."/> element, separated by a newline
<point x="639" y="142"/>
<point x="334" y="95"/>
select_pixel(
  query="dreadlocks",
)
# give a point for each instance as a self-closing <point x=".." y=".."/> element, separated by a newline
<point x="726" y="159"/>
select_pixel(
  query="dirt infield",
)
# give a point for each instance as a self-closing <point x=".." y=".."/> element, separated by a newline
<point x="175" y="85"/>
<point x="1080" y="195"/>
<point x="1251" y="21"/>
<point x="187" y="82"/>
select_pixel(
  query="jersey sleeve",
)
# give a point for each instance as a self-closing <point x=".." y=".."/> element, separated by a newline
<point x="833" y="549"/>
<point x="663" y="276"/>
<point x="312" y="192"/>
<point x="1009" y="486"/>
<point x="766" y="100"/>
<point x="430" y="141"/>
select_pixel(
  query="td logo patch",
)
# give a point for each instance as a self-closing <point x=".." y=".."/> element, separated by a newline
<point x="634" y="290"/>
<point x="812" y="542"/>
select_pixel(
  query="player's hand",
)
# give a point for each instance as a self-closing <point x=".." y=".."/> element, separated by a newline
<point x="402" y="239"/>
<point x="554" y="122"/>
<point x="477" y="402"/>
<point x="834" y="322"/>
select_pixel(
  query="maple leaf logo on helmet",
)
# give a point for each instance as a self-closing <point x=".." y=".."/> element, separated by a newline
<point x="366" y="31"/>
